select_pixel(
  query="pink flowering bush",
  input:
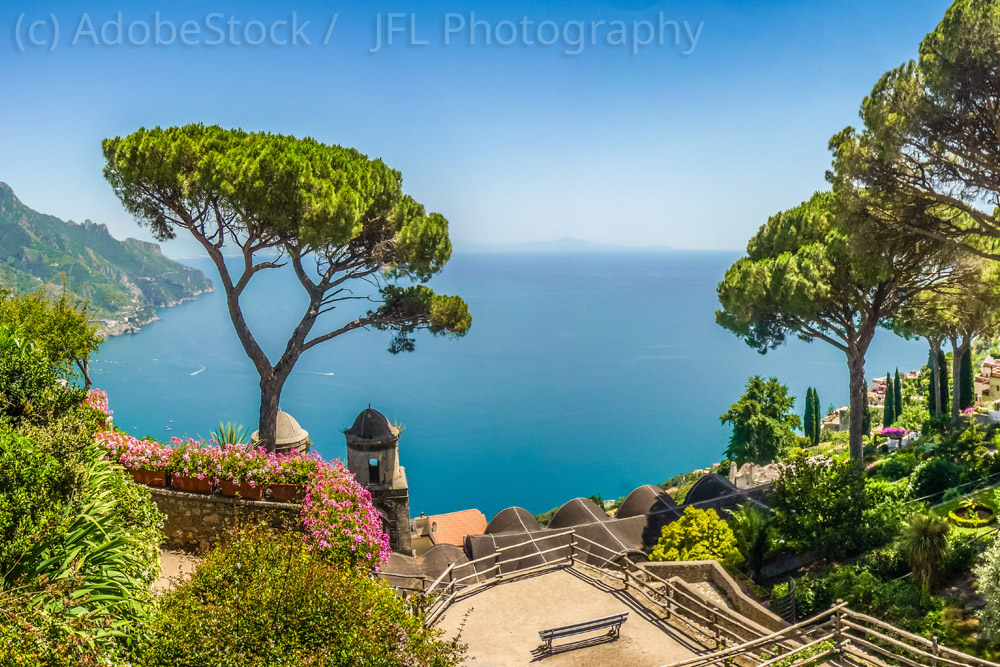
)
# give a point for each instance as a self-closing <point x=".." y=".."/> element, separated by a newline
<point x="133" y="453"/>
<point x="894" y="432"/>
<point x="193" y="459"/>
<point x="242" y="463"/>
<point x="341" y="521"/>
<point x="294" y="468"/>
<point x="98" y="399"/>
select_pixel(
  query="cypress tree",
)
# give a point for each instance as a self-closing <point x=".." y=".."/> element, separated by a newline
<point x="897" y="396"/>
<point x="889" y="408"/>
<point x="943" y="384"/>
<point x="807" y="417"/>
<point x="817" y="417"/>
<point x="933" y="386"/>
<point x="967" y="386"/>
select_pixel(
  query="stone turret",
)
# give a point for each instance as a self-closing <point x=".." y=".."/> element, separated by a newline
<point x="373" y="457"/>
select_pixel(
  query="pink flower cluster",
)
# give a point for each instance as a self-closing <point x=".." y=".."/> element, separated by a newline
<point x="132" y="452"/>
<point x="338" y="514"/>
<point x="339" y="517"/>
<point x="894" y="432"/>
<point x="98" y="399"/>
<point x="341" y="520"/>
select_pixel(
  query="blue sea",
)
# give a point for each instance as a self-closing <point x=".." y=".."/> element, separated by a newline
<point x="583" y="373"/>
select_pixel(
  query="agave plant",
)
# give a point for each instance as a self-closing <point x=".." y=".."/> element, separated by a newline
<point x="230" y="433"/>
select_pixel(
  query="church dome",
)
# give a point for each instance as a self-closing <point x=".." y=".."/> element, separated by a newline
<point x="371" y="425"/>
<point x="288" y="435"/>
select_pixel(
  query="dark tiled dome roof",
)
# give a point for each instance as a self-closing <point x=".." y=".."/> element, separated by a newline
<point x="512" y="519"/>
<point x="371" y="425"/>
<point x="578" y="512"/>
<point x="710" y="487"/>
<point x="645" y="500"/>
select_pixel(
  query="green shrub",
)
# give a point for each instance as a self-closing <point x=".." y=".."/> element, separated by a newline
<point x="78" y="539"/>
<point x="963" y="555"/>
<point x="897" y="466"/>
<point x="263" y="599"/>
<point x="932" y="477"/>
<point x="885" y="563"/>
<point x="897" y="601"/>
<point x="828" y="506"/>
<point x="697" y="535"/>
<point x="29" y="637"/>
<point x="29" y="384"/>
<point x="954" y="493"/>
<point x="884" y="510"/>
<point x="33" y="500"/>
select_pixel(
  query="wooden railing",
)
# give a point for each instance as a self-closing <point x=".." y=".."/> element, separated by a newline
<point x="721" y="624"/>
<point x="480" y="578"/>
<point x="840" y="631"/>
<point x="837" y="631"/>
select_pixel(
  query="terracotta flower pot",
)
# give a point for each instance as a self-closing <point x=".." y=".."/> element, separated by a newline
<point x="157" y="478"/>
<point x="243" y="490"/>
<point x="192" y="484"/>
<point x="287" y="492"/>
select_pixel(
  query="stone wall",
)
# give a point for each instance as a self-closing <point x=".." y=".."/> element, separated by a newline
<point x="194" y="521"/>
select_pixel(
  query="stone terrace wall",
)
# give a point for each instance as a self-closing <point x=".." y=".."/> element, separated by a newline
<point x="194" y="521"/>
<point x="697" y="571"/>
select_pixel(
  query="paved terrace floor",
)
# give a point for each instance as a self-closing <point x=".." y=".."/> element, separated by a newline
<point x="500" y="624"/>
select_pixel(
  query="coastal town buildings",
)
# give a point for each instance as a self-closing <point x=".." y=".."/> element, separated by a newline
<point x="987" y="382"/>
<point x="451" y="528"/>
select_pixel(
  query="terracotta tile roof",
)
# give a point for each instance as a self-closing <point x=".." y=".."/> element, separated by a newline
<point x="452" y="528"/>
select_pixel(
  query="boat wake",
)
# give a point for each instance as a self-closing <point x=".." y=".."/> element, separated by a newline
<point x="199" y="370"/>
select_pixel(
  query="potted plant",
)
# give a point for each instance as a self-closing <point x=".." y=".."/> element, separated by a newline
<point x="145" y="460"/>
<point x="242" y="471"/>
<point x="192" y="467"/>
<point x="288" y="476"/>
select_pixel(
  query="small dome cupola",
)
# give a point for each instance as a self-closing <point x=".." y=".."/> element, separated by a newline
<point x="373" y="449"/>
<point x="288" y="435"/>
<point x="371" y="425"/>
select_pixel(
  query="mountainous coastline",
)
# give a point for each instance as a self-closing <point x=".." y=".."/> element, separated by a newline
<point x="125" y="281"/>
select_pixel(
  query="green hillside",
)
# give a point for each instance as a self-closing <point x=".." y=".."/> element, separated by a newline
<point x="125" y="281"/>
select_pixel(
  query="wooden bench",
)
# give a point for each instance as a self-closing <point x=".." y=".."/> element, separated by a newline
<point x="613" y="622"/>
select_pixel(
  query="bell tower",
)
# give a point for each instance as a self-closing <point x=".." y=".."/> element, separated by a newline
<point x="373" y="457"/>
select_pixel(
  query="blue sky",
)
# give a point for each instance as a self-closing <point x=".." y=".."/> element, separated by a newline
<point x="619" y="144"/>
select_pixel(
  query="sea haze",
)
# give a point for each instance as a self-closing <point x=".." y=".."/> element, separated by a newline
<point x="583" y="373"/>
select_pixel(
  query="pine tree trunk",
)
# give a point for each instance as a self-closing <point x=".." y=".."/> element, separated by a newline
<point x="956" y="378"/>
<point x="859" y="402"/>
<point x="270" y="397"/>
<point x="943" y="387"/>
